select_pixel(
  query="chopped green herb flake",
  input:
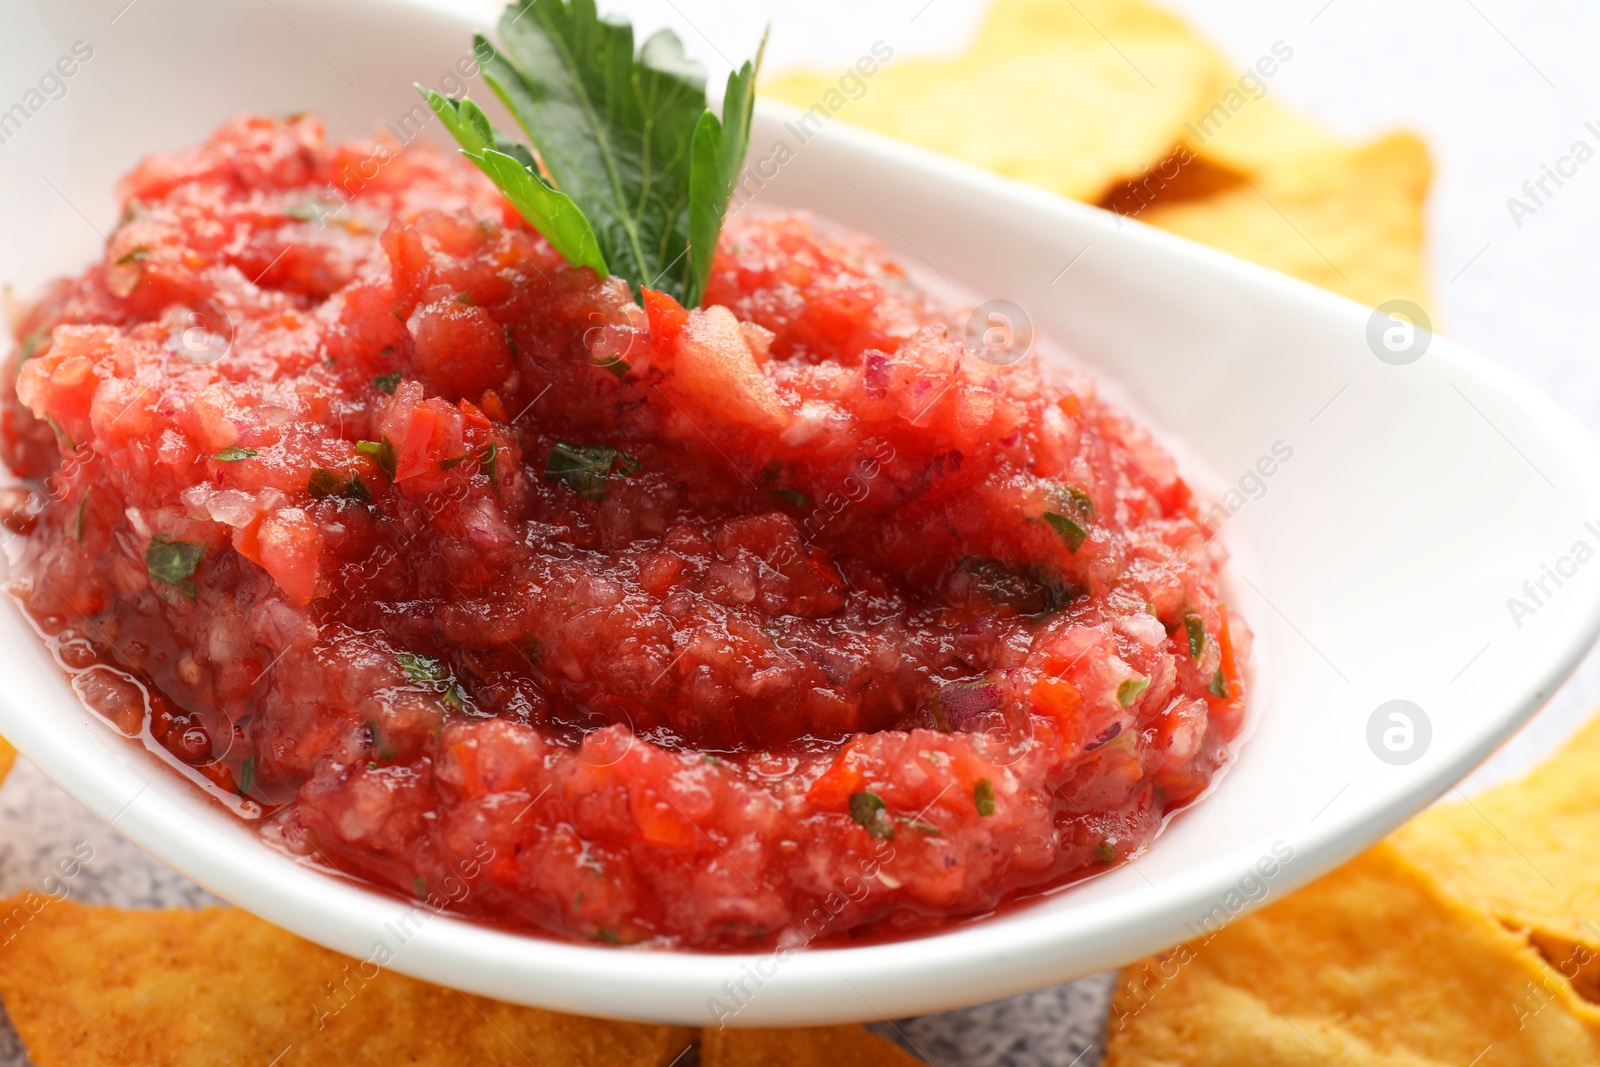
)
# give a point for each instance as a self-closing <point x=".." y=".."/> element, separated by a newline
<point x="325" y="484"/>
<point x="1068" y="529"/>
<point x="133" y="256"/>
<point x="1028" y="590"/>
<point x="1081" y="504"/>
<point x="233" y="454"/>
<point x="585" y="468"/>
<point x="1130" y="689"/>
<point x="454" y="461"/>
<point x="386" y="753"/>
<point x="420" y="668"/>
<point x="983" y="797"/>
<point x="419" y="885"/>
<point x="83" y="509"/>
<point x="62" y="434"/>
<point x="925" y="827"/>
<point x="1105" y="851"/>
<point x="1219" y="685"/>
<point x="172" y="562"/>
<point x="382" y="452"/>
<point x="793" y="497"/>
<point x="387" y="383"/>
<point x="867" y="809"/>
<point x="465" y="298"/>
<point x="247" y="776"/>
<point x="1195" y="627"/>
<point x="491" y="463"/>
<point x="30" y="345"/>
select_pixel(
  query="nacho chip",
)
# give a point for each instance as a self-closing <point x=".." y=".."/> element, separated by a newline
<point x="822" y="1046"/>
<point x="87" y="986"/>
<point x="1350" y="221"/>
<point x="8" y="758"/>
<point x="1528" y="853"/>
<point x="1070" y="97"/>
<point x="1373" y="965"/>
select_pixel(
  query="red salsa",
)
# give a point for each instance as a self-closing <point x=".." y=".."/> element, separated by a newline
<point x="779" y="619"/>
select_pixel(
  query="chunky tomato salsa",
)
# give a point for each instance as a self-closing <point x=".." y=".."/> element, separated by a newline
<point x="780" y="619"/>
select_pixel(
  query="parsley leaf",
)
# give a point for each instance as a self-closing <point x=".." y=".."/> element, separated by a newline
<point x="234" y="453"/>
<point x="325" y="484"/>
<point x="172" y="562"/>
<point x="640" y="171"/>
<point x="867" y="810"/>
<point x="511" y="167"/>
<point x="382" y="452"/>
<point x="585" y="468"/>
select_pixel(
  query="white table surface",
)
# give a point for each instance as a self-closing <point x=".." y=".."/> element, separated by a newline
<point x="1498" y="89"/>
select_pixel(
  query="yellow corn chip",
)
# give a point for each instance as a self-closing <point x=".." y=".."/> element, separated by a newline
<point x="8" y="758"/>
<point x="823" y="1046"/>
<point x="1373" y="965"/>
<point x="1349" y="222"/>
<point x="90" y="986"/>
<point x="1071" y="97"/>
<point x="1528" y="852"/>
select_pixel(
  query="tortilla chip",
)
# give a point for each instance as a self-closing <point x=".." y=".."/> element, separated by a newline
<point x="1073" y="98"/>
<point x="8" y="758"/>
<point x="91" y="986"/>
<point x="1528" y="853"/>
<point x="823" y="1046"/>
<point x="1350" y="221"/>
<point x="1373" y="965"/>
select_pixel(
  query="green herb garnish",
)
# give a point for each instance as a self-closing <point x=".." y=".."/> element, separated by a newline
<point x="1219" y="685"/>
<point x="585" y="468"/>
<point x="1070" y="532"/>
<point x="382" y="452"/>
<point x="640" y="171"/>
<point x="233" y="454"/>
<point x="133" y="255"/>
<point x="247" y="776"/>
<point x="1079" y="502"/>
<point x="83" y="508"/>
<point x="62" y="434"/>
<point x="867" y="809"/>
<point x="387" y="383"/>
<point x="420" y="668"/>
<point x="793" y="497"/>
<point x="384" y="753"/>
<point x="1105" y="851"/>
<point x="172" y="562"/>
<point x="1027" y="590"/>
<point x="30" y="345"/>
<point x="325" y="484"/>
<point x="491" y="463"/>
<point x="983" y="797"/>
<point x="1195" y="627"/>
<point x="1130" y="689"/>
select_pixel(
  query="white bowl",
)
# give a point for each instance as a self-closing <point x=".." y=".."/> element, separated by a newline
<point x="1418" y="498"/>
